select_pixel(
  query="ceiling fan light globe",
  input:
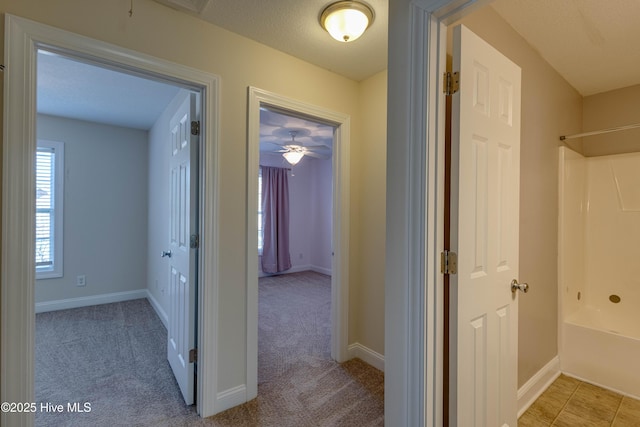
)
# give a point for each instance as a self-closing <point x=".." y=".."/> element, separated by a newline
<point x="293" y="157"/>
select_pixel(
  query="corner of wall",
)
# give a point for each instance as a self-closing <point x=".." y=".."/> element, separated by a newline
<point x="537" y="384"/>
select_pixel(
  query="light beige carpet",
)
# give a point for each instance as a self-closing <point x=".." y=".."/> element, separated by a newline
<point x="114" y="356"/>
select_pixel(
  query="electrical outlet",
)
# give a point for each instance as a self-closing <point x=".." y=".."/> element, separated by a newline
<point x="81" y="280"/>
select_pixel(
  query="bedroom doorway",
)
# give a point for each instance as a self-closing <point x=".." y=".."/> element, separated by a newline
<point x="294" y="220"/>
<point x="106" y="116"/>
<point x="278" y="106"/>
<point x="19" y="267"/>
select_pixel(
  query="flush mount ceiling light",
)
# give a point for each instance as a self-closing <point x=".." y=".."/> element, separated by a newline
<point x="346" y="20"/>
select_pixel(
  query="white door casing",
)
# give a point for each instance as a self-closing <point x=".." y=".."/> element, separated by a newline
<point x="258" y="98"/>
<point x="414" y="216"/>
<point x="484" y="233"/>
<point x="22" y="39"/>
<point x="182" y="258"/>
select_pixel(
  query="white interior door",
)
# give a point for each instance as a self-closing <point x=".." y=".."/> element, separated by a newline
<point x="182" y="258"/>
<point x="484" y="232"/>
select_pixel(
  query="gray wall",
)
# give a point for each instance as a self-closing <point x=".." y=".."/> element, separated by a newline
<point x="105" y="208"/>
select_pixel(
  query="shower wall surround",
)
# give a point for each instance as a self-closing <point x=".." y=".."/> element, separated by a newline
<point x="599" y="272"/>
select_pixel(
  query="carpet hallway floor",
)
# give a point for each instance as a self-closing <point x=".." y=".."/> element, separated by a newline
<point x="113" y="356"/>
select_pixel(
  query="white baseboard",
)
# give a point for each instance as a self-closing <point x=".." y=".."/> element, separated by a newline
<point x="298" y="269"/>
<point x="229" y="398"/>
<point x="164" y="318"/>
<point x="321" y="270"/>
<point x="537" y="384"/>
<point x="64" y="304"/>
<point x="373" y="358"/>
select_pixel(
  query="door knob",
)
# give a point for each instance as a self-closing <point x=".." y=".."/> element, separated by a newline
<point x="166" y="254"/>
<point x="522" y="287"/>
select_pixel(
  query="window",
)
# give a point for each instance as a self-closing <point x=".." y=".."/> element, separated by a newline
<point x="49" y="208"/>
<point x="260" y="221"/>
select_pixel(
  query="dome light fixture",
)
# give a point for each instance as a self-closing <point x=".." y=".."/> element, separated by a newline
<point x="346" y="20"/>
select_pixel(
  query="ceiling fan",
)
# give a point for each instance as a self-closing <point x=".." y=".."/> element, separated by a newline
<point x="293" y="151"/>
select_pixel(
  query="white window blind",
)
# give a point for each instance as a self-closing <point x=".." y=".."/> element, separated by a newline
<point x="49" y="200"/>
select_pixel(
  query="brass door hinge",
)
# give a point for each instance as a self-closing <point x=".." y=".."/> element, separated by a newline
<point x="451" y="83"/>
<point x="448" y="262"/>
<point x="195" y="128"/>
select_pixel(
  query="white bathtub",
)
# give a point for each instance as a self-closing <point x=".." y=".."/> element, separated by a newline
<point x="598" y="269"/>
<point x="599" y="349"/>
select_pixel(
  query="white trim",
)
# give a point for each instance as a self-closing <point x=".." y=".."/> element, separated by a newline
<point x="164" y="318"/>
<point x="413" y="304"/>
<point x="298" y="269"/>
<point x="537" y="384"/>
<point x="340" y="219"/>
<point x="18" y="264"/>
<point x="231" y="397"/>
<point x="22" y="39"/>
<point x="413" y="301"/>
<point x="64" y="304"/>
<point x="208" y="263"/>
<point x="373" y="358"/>
<point x="321" y="270"/>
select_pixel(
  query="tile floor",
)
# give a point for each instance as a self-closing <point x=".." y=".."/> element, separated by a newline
<point x="569" y="402"/>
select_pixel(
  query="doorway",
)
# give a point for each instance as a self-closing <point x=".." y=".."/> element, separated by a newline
<point x="108" y="120"/>
<point x="20" y="125"/>
<point x="260" y="99"/>
<point x="294" y="241"/>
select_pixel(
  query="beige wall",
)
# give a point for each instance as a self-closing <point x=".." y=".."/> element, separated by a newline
<point x="610" y="109"/>
<point x="550" y="108"/>
<point x="162" y="32"/>
<point x="368" y="189"/>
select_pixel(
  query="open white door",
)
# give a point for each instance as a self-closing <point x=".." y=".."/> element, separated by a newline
<point x="485" y="179"/>
<point x="182" y="257"/>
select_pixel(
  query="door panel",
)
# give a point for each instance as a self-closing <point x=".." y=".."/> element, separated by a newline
<point x="182" y="259"/>
<point x="484" y="232"/>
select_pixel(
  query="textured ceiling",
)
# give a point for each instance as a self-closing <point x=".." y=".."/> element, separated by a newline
<point x="278" y="130"/>
<point x="292" y="26"/>
<point x="593" y="44"/>
<point x="77" y="90"/>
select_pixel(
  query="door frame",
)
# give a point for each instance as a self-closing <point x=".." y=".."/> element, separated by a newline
<point x="340" y="221"/>
<point x="414" y="342"/>
<point x="22" y="39"/>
